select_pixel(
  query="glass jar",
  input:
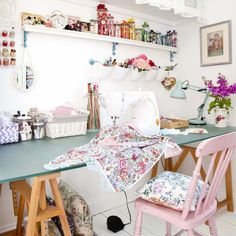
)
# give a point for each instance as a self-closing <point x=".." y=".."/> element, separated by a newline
<point x="145" y="32"/>
<point x="13" y="61"/>
<point x="138" y="34"/>
<point x="152" y="37"/>
<point x="159" y="38"/>
<point x="5" y="61"/>
<point x="125" y="30"/>
<point x="131" y="23"/>
<point x="117" y="30"/>
<point x="163" y="40"/>
<point x="102" y="14"/>
<point x="93" y="26"/>
<point x="168" y="38"/>
<point x="110" y="25"/>
<point x="174" y="38"/>
<point x="12" y="53"/>
<point x="5" y="52"/>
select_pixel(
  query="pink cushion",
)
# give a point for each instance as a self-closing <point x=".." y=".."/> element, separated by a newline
<point x="170" y="189"/>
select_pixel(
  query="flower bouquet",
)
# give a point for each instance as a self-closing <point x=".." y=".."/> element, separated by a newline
<point x="222" y="102"/>
<point x="140" y="65"/>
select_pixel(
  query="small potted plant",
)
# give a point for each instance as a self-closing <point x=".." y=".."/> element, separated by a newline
<point x="221" y="103"/>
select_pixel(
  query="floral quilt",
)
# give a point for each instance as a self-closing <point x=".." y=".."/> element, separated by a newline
<point x="123" y="155"/>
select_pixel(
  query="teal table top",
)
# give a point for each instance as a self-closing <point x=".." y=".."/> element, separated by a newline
<point x="26" y="159"/>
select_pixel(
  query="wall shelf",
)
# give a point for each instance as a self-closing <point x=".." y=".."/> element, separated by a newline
<point x="90" y="36"/>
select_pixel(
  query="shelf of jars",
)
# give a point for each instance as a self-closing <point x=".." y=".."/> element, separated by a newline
<point x="91" y="36"/>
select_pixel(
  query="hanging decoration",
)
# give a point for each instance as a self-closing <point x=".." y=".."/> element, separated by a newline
<point x="186" y="8"/>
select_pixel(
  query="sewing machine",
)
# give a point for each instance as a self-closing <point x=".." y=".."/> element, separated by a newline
<point x="138" y="108"/>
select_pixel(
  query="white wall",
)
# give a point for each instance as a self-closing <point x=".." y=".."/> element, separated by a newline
<point x="61" y="64"/>
<point x="189" y="62"/>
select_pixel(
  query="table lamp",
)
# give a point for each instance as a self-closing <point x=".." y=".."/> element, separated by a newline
<point x="179" y="92"/>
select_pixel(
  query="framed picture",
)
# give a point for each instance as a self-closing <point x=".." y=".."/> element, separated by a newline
<point x="216" y="42"/>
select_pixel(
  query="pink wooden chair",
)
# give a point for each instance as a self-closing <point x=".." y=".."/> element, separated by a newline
<point x="206" y="205"/>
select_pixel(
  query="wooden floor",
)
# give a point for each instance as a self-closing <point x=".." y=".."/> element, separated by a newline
<point x="12" y="233"/>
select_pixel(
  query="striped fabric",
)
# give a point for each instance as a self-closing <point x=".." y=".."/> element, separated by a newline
<point x="9" y="133"/>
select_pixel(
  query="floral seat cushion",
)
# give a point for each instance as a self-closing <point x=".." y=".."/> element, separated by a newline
<point x="170" y="189"/>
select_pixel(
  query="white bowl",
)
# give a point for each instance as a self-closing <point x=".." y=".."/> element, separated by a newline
<point x="119" y="73"/>
<point x="151" y="75"/>
<point x="135" y="75"/>
<point x="101" y="72"/>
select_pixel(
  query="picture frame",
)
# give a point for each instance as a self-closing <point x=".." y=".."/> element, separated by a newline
<point x="216" y="44"/>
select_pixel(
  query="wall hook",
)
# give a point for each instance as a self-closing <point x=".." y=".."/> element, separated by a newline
<point x="92" y="62"/>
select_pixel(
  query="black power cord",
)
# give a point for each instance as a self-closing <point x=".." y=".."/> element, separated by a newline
<point x="114" y="223"/>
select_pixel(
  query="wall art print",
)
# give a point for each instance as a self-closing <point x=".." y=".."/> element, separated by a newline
<point x="216" y="43"/>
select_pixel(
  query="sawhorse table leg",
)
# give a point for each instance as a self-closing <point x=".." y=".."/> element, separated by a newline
<point x="35" y="199"/>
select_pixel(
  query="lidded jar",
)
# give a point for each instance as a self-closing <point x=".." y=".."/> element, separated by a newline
<point x="125" y="30"/>
<point x="93" y="26"/>
<point x="131" y="23"/>
<point x="110" y="25"/>
<point x="117" y="30"/>
<point x="152" y="36"/>
<point x="138" y="34"/>
<point x="145" y="33"/>
<point x="102" y="19"/>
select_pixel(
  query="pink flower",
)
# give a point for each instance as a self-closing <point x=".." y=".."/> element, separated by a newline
<point x="142" y="56"/>
<point x="141" y="64"/>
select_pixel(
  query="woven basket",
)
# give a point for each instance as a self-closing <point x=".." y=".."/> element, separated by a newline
<point x="67" y="126"/>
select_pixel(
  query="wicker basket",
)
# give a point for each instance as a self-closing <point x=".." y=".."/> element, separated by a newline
<point x="62" y="126"/>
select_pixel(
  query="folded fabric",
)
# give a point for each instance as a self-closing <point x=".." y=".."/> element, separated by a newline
<point x="120" y="152"/>
<point x="185" y="132"/>
<point x="64" y="111"/>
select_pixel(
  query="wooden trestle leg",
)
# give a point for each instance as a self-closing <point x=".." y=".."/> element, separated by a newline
<point x="38" y="210"/>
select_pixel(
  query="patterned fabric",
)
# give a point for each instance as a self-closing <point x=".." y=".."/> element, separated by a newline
<point x="170" y="189"/>
<point x="123" y="155"/>
<point x="77" y="211"/>
<point x="57" y="221"/>
<point x="9" y="133"/>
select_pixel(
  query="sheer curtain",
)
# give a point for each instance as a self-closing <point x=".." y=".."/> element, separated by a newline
<point x="186" y="8"/>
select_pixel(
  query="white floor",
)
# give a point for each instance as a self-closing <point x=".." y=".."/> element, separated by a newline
<point x="226" y="223"/>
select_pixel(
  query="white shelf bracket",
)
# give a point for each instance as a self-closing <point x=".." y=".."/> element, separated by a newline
<point x="172" y="56"/>
<point x="114" y="47"/>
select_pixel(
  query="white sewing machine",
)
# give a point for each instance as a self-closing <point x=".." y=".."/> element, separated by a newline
<point x="138" y="108"/>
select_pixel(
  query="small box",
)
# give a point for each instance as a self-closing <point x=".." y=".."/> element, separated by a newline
<point x="168" y="123"/>
<point x="9" y="133"/>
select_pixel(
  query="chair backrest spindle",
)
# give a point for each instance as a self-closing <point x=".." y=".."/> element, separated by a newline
<point x="221" y="148"/>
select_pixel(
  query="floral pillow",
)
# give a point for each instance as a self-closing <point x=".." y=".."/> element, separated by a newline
<point x="170" y="189"/>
